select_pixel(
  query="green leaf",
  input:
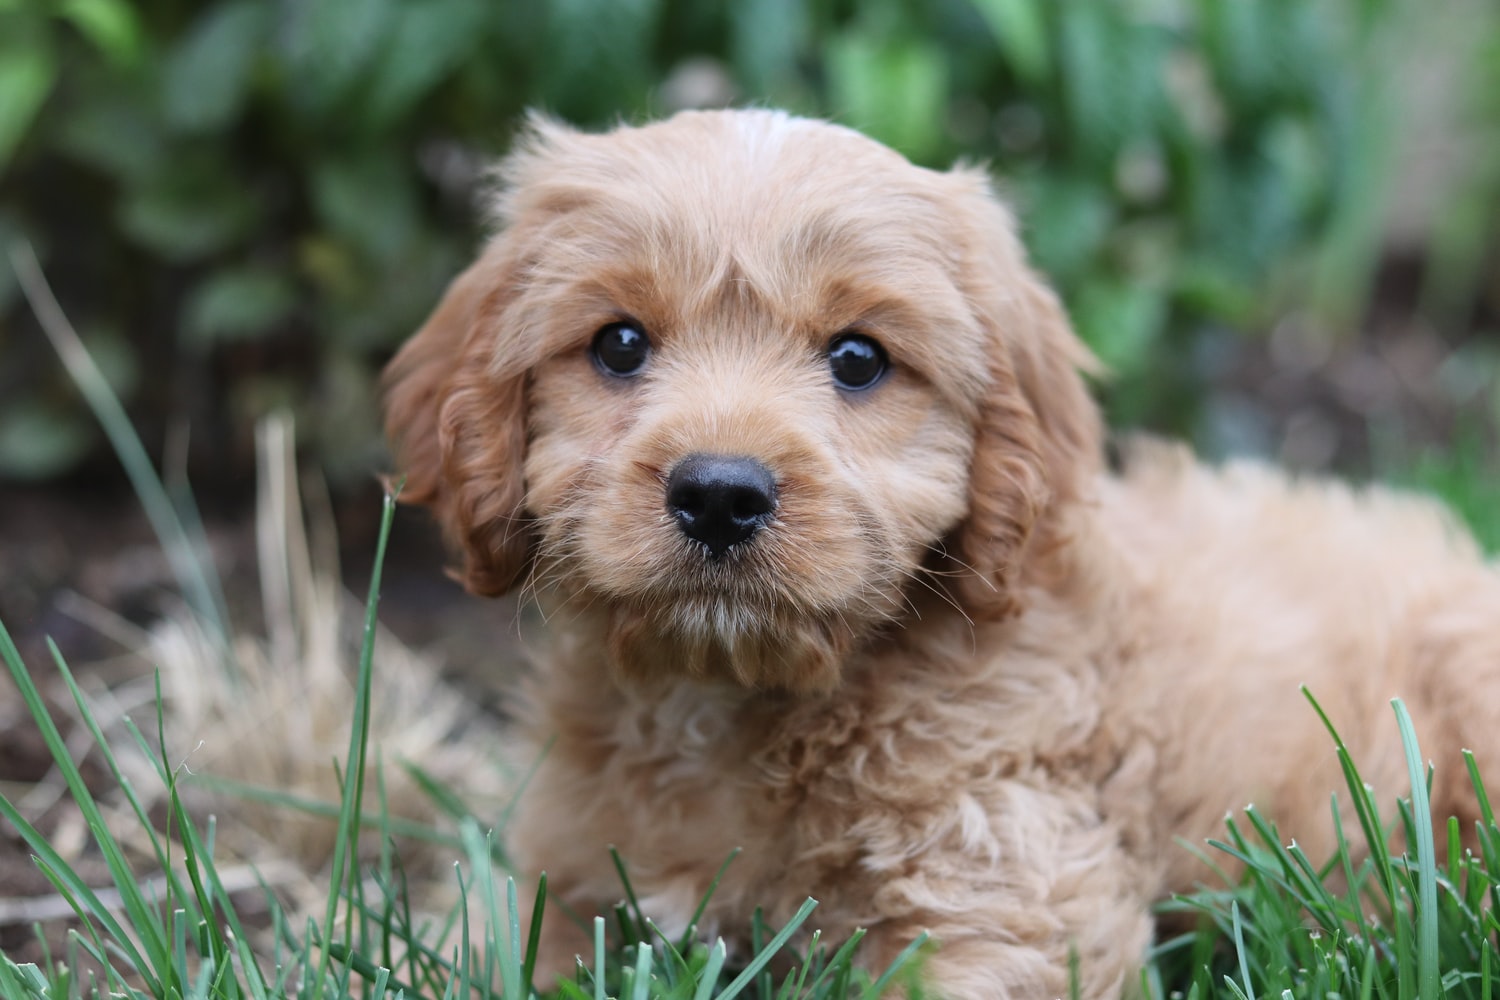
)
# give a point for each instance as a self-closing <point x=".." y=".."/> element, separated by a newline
<point x="428" y="41"/>
<point x="766" y="38"/>
<point x="893" y="87"/>
<point x="597" y="54"/>
<point x="1207" y="288"/>
<point x="28" y="69"/>
<point x="189" y="211"/>
<point x="374" y="304"/>
<point x="1085" y="50"/>
<point x="208" y="73"/>
<point x="238" y="303"/>
<point x="1122" y="322"/>
<point x="1065" y="220"/>
<point x="38" y="441"/>
<point x="369" y="199"/>
<point x="329" y="47"/>
<point x="1019" y="29"/>
<point x="1111" y="76"/>
<point x="111" y="25"/>
<point x="1231" y="36"/>
<point x="115" y="132"/>
<point x="1265" y="52"/>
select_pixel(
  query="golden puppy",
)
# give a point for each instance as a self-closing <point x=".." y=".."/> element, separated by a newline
<point x="791" y="447"/>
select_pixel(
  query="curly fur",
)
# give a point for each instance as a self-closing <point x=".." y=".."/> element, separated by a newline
<point x="965" y="680"/>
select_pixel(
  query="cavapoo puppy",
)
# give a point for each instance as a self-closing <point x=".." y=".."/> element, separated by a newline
<point x="790" y="446"/>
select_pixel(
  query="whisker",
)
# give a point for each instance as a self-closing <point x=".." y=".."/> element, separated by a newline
<point x="946" y="597"/>
<point x="964" y="568"/>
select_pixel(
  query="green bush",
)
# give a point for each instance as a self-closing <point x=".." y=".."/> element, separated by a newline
<point x="248" y="203"/>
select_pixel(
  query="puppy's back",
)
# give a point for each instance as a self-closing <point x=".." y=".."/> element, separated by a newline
<point x="1253" y="584"/>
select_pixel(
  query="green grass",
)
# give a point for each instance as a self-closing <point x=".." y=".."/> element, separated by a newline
<point x="1369" y="922"/>
<point x="1464" y="475"/>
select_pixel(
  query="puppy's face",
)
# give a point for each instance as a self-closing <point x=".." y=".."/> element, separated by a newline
<point x="733" y="381"/>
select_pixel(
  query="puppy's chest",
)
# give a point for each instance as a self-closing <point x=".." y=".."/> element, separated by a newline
<point x="802" y="777"/>
<point x="910" y="754"/>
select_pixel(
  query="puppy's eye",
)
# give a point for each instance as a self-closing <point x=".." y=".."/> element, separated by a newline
<point x="857" y="361"/>
<point x="621" y="349"/>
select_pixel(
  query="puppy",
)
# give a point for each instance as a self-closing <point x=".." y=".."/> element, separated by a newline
<point x="791" y="448"/>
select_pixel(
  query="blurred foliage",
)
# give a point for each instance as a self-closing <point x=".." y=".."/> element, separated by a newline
<point x="246" y="204"/>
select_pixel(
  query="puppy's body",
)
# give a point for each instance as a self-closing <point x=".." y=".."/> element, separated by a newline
<point x="954" y="677"/>
<point x="1017" y="788"/>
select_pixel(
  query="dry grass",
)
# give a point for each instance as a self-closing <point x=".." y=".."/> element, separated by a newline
<point x="258" y="721"/>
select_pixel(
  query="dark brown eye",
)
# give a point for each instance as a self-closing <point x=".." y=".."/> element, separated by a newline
<point x="857" y="361"/>
<point x="621" y="349"/>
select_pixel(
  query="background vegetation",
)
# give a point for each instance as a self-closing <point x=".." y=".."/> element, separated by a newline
<point x="246" y="204"/>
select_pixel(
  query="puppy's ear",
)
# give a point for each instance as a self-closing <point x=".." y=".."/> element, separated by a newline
<point x="1038" y="435"/>
<point x="455" y="416"/>
<point x="455" y="395"/>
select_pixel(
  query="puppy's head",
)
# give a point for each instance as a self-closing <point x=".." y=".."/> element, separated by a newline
<point x="743" y="384"/>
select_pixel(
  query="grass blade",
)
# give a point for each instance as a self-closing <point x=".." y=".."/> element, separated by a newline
<point x="877" y="987"/>
<point x="710" y="975"/>
<point x="763" y="958"/>
<point x="1428" y="973"/>
<point x="346" y="843"/>
<point x="638" y="930"/>
<point x="190" y="565"/>
<point x="157" y="949"/>
<point x="534" y="933"/>
<point x="642" y="984"/>
<point x="687" y="936"/>
<point x="599" y="958"/>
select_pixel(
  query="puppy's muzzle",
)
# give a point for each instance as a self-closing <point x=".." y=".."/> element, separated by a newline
<point x="720" y="501"/>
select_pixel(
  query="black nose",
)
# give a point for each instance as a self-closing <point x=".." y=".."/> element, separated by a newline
<point x="720" y="500"/>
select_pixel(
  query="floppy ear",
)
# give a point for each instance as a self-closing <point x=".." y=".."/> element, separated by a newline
<point x="455" y="394"/>
<point x="1038" y="435"/>
<point x="455" y="415"/>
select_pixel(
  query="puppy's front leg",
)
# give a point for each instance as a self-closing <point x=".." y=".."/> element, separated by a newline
<point x="1056" y="885"/>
